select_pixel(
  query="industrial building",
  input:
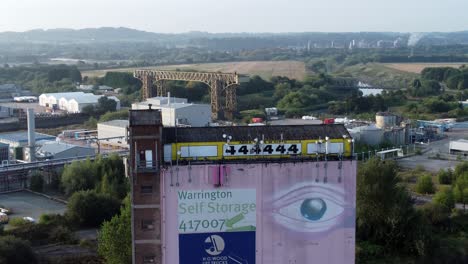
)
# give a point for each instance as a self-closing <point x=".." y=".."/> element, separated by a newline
<point x="59" y="150"/>
<point x="18" y="142"/>
<point x="4" y="154"/>
<point x="72" y="102"/>
<point x="240" y="194"/>
<point x="459" y="147"/>
<point x="114" y="132"/>
<point x="11" y="90"/>
<point x="177" y="112"/>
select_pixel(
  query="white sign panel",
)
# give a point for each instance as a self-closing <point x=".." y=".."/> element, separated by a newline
<point x="261" y="149"/>
<point x="226" y="210"/>
<point x="198" y="151"/>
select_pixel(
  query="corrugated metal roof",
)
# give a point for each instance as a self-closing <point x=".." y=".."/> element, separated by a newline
<point x="22" y="136"/>
<point x="57" y="147"/>
<point x="248" y="133"/>
<point x="87" y="98"/>
<point x="60" y="95"/>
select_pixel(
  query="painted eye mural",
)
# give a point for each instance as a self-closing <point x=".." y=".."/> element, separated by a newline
<point x="309" y="208"/>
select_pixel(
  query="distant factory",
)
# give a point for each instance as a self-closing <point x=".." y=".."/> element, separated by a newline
<point x="72" y="102"/>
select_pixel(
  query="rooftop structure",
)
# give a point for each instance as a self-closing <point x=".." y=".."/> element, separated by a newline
<point x="178" y="114"/>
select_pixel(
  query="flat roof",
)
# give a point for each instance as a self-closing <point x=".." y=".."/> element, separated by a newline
<point x="117" y="123"/>
<point x="248" y="133"/>
<point x="22" y="136"/>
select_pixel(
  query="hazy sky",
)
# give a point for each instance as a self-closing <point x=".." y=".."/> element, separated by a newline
<point x="237" y="15"/>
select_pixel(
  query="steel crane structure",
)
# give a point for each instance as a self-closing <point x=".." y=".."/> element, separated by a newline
<point x="220" y="84"/>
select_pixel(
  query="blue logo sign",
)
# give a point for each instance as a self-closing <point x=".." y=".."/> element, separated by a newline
<point x="216" y="248"/>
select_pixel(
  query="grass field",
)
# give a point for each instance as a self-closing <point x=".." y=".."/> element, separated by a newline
<point x="380" y="75"/>
<point x="265" y="69"/>
<point x="418" y="67"/>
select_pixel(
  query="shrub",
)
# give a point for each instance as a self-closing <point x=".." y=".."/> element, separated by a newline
<point x="15" y="250"/>
<point x="445" y="176"/>
<point x="90" y="209"/>
<point x="37" y="182"/>
<point x="445" y="197"/>
<point x="424" y="185"/>
<point x="18" y="222"/>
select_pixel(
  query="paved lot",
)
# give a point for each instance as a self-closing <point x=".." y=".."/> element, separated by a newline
<point x="440" y="146"/>
<point x="29" y="204"/>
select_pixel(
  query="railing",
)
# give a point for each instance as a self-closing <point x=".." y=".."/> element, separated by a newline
<point x="53" y="162"/>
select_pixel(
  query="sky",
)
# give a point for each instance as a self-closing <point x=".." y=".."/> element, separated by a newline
<point x="175" y="16"/>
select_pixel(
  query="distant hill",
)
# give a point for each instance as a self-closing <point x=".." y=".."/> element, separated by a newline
<point x="225" y="40"/>
<point x="105" y="34"/>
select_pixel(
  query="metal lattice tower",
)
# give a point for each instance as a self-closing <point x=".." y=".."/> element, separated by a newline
<point x="219" y="83"/>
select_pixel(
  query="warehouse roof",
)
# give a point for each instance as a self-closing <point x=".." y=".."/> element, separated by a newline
<point x="248" y="133"/>
<point x="3" y="145"/>
<point x="60" y="95"/>
<point x="22" y="136"/>
<point x="57" y="147"/>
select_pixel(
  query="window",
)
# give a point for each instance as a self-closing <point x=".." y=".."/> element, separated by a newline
<point x="149" y="259"/>
<point x="146" y="189"/>
<point x="146" y="159"/>
<point x="147" y="224"/>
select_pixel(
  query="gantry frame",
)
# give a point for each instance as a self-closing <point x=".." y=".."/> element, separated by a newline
<point x="219" y="83"/>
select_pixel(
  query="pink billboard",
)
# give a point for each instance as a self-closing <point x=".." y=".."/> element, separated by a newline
<point x="276" y="213"/>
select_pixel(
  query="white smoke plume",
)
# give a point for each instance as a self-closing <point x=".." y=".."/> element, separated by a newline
<point x="414" y="38"/>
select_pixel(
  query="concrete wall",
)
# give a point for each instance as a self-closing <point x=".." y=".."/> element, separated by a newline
<point x="45" y="122"/>
<point x="106" y="131"/>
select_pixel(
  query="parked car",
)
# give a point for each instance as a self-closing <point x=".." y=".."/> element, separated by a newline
<point x="29" y="219"/>
<point x="3" y="218"/>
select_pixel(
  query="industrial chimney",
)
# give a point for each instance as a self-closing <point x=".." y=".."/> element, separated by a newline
<point x="31" y="135"/>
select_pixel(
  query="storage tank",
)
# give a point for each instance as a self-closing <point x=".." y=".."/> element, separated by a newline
<point x="371" y="135"/>
<point x="385" y="119"/>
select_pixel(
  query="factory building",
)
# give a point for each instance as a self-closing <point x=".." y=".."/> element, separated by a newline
<point x="72" y="102"/>
<point x="18" y="142"/>
<point x="177" y="112"/>
<point x="459" y="147"/>
<point x="4" y="154"/>
<point x="241" y="194"/>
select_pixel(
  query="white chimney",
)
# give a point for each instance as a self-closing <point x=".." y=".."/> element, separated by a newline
<point x="31" y="134"/>
<point x="168" y="98"/>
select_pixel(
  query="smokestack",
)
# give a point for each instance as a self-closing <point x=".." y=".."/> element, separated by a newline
<point x="168" y="98"/>
<point x="31" y="134"/>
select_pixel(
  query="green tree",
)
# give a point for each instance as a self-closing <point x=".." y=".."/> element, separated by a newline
<point x="461" y="189"/>
<point x="445" y="176"/>
<point x="385" y="211"/>
<point x="15" y="251"/>
<point x="445" y="197"/>
<point x="90" y="209"/>
<point x="114" y="239"/>
<point x="106" y="105"/>
<point x="424" y="185"/>
<point x="79" y="175"/>
<point x="37" y="182"/>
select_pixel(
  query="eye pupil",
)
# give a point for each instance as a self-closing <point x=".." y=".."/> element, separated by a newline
<point x="313" y="208"/>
